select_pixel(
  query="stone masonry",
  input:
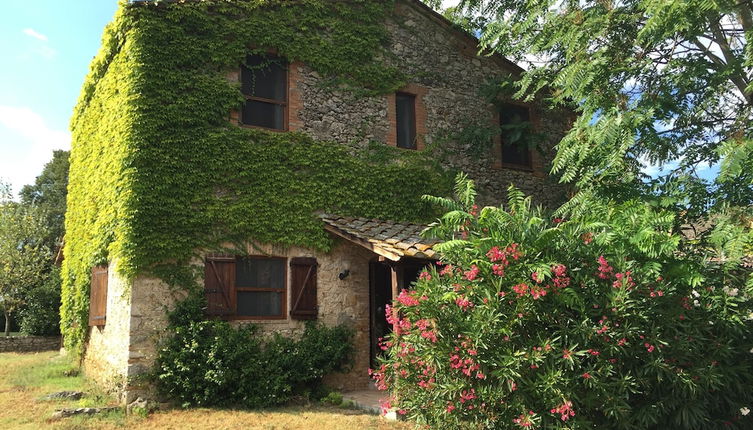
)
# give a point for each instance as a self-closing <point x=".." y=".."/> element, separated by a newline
<point x="29" y="343"/>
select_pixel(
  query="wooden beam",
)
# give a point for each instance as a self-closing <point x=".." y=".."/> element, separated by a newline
<point x="395" y="292"/>
<point x="365" y="243"/>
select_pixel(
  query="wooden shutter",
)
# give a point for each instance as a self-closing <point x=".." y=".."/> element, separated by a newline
<point x="219" y="285"/>
<point x="98" y="297"/>
<point x="303" y="288"/>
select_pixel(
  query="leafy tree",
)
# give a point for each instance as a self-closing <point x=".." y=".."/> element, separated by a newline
<point x="665" y="82"/>
<point x="49" y="192"/>
<point x="24" y="255"/>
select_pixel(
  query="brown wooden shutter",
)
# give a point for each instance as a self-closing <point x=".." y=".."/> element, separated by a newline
<point x="98" y="297"/>
<point x="219" y="285"/>
<point x="303" y="288"/>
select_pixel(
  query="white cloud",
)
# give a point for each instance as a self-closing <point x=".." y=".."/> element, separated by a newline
<point x="33" y="33"/>
<point x="26" y="144"/>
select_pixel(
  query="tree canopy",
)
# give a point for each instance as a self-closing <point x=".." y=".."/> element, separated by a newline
<point x="653" y="82"/>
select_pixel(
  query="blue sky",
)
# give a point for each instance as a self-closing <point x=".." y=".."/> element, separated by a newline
<point x="44" y="56"/>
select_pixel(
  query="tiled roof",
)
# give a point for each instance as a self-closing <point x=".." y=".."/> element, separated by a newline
<point x="392" y="240"/>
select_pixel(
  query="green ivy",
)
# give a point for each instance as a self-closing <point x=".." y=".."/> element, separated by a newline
<point x="158" y="171"/>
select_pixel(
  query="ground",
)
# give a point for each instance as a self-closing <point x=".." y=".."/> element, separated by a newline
<point x="24" y="378"/>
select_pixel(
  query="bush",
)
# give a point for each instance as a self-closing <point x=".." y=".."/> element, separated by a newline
<point x="41" y="314"/>
<point x="594" y="322"/>
<point x="208" y="363"/>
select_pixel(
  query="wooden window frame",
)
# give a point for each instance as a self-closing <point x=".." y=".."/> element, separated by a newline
<point x="284" y="292"/>
<point x="285" y="105"/>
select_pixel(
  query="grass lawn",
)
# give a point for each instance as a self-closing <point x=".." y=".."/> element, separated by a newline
<point x="24" y="378"/>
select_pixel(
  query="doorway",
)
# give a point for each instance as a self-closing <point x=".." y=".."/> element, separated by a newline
<point x="380" y="295"/>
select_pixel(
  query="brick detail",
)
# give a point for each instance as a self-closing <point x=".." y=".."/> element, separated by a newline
<point x="421" y="115"/>
<point x="295" y="102"/>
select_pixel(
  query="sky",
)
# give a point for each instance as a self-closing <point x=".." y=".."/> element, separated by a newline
<point x="45" y="50"/>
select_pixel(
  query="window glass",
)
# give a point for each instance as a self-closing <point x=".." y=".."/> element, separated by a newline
<point x="406" y="120"/>
<point x="264" y="77"/>
<point x="259" y="303"/>
<point x="514" y="121"/>
<point x="262" y="114"/>
<point x="261" y="273"/>
<point x="264" y="83"/>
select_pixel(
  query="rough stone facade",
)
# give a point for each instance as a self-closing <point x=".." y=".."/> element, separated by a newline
<point x="106" y="357"/>
<point x="448" y="80"/>
<point x="29" y="343"/>
<point x="124" y="350"/>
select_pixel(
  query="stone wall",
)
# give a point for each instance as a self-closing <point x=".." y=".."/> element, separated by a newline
<point x="340" y="302"/>
<point x="448" y="79"/>
<point x="29" y="343"/>
<point x="106" y="356"/>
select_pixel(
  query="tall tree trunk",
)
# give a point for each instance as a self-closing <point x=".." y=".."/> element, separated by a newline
<point x="7" y="324"/>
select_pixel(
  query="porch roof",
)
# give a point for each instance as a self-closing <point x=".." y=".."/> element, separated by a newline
<point x="392" y="240"/>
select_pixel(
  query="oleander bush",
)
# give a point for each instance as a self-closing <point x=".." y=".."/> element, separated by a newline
<point x="598" y="322"/>
<point x="211" y="363"/>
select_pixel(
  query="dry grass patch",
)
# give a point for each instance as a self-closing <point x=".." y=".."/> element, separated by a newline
<point x="24" y="378"/>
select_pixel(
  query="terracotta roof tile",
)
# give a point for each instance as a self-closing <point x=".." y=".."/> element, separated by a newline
<point x="387" y="238"/>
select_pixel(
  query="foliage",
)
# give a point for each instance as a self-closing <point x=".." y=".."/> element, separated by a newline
<point x="591" y="322"/>
<point x="48" y="192"/>
<point x="158" y="171"/>
<point x="206" y="363"/>
<point x="23" y="254"/>
<point x="664" y="82"/>
<point x="40" y="315"/>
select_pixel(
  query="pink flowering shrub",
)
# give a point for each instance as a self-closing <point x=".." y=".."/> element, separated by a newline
<point x="577" y="324"/>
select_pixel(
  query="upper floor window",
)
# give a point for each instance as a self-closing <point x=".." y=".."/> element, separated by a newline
<point x="514" y="120"/>
<point x="264" y="83"/>
<point x="406" y="120"/>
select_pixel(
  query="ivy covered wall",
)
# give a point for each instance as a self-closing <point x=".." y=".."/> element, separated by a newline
<point x="158" y="171"/>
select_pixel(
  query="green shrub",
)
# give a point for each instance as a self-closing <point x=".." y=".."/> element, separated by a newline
<point x="40" y="315"/>
<point x="595" y="322"/>
<point x="207" y="363"/>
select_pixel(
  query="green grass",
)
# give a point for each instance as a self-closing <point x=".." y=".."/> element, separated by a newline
<point x="25" y="378"/>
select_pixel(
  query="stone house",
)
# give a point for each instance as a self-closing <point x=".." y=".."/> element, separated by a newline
<point x="281" y="287"/>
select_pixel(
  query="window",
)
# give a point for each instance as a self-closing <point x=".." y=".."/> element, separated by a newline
<point x="264" y="83"/>
<point x="406" y="120"/>
<point x="514" y="120"/>
<point x="256" y="287"/>
<point x="98" y="297"/>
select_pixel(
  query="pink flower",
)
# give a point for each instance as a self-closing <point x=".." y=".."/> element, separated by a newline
<point x="464" y="303"/>
<point x="408" y="298"/>
<point x="495" y="254"/>
<point x="425" y="275"/>
<point x="521" y="289"/>
<point x="605" y="270"/>
<point x="524" y="420"/>
<point x="473" y="273"/>
<point x="498" y="269"/>
<point x="429" y="335"/>
<point x="450" y="408"/>
<point x="566" y="353"/>
<point x="447" y="270"/>
<point x="586" y="375"/>
<point x="565" y="410"/>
